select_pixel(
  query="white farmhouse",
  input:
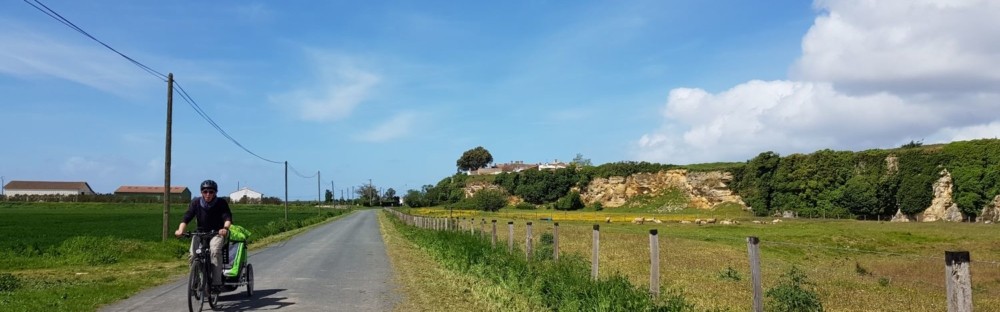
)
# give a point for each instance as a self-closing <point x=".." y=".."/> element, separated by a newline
<point x="14" y="188"/>
<point x="251" y="195"/>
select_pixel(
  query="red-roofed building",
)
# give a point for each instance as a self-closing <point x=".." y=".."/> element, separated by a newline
<point x="15" y="188"/>
<point x="178" y="194"/>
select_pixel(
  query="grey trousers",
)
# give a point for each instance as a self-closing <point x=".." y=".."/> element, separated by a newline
<point x="215" y="247"/>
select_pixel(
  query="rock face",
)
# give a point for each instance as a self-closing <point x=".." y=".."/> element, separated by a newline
<point x="474" y="187"/>
<point x="704" y="189"/>
<point x="991" y="212"/>
<point x="942" y="206"/>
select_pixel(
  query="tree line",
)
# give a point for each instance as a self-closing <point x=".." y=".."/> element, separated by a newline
<point x="871" y="183"/>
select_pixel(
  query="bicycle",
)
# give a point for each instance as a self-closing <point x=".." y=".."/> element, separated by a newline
<point x="200" y="289"/>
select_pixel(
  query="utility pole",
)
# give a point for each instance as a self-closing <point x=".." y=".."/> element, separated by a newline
<point x="318" y="201"/>
<point x="286" y="190"/>
<point x="370" y="188"/>
<point x="166" y="158"/>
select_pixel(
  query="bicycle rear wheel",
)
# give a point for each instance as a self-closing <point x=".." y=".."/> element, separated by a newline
<point x="249" y="277"/>
<point x="196" y="287"/>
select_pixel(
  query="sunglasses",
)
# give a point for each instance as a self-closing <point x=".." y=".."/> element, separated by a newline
<point x="208" y="192"/>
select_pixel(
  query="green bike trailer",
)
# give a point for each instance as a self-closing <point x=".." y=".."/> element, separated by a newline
<point x="236" y="257"/>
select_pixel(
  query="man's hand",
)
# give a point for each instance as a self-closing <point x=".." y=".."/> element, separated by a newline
<point x="223" y="232"/>
<point x="178" y="233"/>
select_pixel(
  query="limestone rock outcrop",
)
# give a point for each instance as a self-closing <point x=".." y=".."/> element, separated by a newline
<point x="942" y="206"/>
<point x="704" y="189"/>
<point x="991" y="212"/>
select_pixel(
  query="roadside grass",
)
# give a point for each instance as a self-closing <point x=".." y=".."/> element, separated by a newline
<point x="423" y="281"/>
<point x="901" y="264"/>
<point x="563" y="285"/>
<point x="79" y="256"/>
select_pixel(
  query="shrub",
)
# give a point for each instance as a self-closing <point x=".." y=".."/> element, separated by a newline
<point x="489" y="200"/>
<point x="9" y="282"/>
<point x="571" y="201"/>
<point x="525" y="206"/>
<point x="794" y="294"/>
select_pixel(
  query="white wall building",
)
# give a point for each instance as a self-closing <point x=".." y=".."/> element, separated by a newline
<point x="14" y="188"/>
<point x="251" y="195"/>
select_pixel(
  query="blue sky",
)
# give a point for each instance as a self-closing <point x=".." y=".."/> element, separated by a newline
<point x="396" y="91"/>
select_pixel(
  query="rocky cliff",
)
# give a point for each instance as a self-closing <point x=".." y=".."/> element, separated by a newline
<point x="704" y="189"/>
<point x="991" y="212"/>
<point x="942" y="207"/>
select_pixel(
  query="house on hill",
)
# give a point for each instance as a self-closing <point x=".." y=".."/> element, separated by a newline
<point x="178" y="194"/>
<point x="251" y="195"/>
<point x="15" y="188"/>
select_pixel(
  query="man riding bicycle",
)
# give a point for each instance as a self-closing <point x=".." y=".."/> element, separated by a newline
<point x="213" y="215"/>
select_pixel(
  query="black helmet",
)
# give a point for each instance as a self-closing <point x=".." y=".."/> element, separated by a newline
<point x="209" y="185"/>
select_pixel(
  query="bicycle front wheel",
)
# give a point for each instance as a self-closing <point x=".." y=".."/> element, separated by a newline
<point x="196" y="288"/>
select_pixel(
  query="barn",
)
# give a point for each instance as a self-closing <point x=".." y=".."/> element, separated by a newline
<point x="251" y="195"/>
<point x="178" y="194"/>
<point x="15" y="188"/>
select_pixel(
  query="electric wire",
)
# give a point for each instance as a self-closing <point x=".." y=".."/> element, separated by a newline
<point x="301" y="175"/>
<point x="183" y="93"/>
<point x="55" y="15"/>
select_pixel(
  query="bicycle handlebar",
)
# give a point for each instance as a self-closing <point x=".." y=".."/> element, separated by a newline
<point x="209" y="233"/>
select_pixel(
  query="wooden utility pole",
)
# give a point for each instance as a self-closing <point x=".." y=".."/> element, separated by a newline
<point x="286" y="190"/>
<point x="166" y="158"/>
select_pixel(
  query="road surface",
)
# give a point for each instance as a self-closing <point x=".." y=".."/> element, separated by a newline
<point x="339" y="266"/>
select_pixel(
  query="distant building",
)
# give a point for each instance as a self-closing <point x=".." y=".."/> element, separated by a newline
<point x="178" y="194"/>
<point x="15" y="188"/>
<point x="251" y="195"/>
<point x="553" y="165"/>
<point x="514" y="166"/>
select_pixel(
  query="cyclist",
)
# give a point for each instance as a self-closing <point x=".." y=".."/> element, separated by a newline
<point x="213" y="215"/>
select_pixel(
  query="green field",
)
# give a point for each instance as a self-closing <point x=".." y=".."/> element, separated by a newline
<point x="79" y="256"/>
<point x="853" y="265"/>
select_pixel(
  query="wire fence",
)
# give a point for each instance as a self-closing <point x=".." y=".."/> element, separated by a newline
<point x="714" y="270"/>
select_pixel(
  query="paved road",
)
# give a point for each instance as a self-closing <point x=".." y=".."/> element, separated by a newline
<point x="339" y="266"/>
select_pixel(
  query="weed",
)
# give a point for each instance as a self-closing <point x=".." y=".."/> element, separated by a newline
<point x="730" y="274"/>
<point x="883" y="281"/>
<point x="861" y="270"/>
<point x="794" y="294"/>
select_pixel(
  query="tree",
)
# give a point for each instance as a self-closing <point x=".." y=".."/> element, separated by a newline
<point x="389" y="194"/>
<point x="474" y="159"/>
<point x="367" y="194"/>
<point x="489" y="199"/>
<point x="329" y="196"/>
<point x="579" y="161"/>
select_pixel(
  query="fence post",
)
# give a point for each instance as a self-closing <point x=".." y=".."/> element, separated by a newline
<point x="510" y="236"/>
<point x="654" y="263"/>
<point x="753" y="249"/>
<point x="527" y="242"/>
<point x="597" y="250"/>
<point x="555" y="241"/>
<point x="482" y="227"/>
<point x="472" y="226"/>
<point x="958" y="280"/>
<point x="493" y="240"/>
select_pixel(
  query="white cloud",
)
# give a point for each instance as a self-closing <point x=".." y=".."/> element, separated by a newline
<point x="872" y="74"/>
<point x="83" y="166"/>
<point x="341" y="87"/>
<point x="398" y="126"/>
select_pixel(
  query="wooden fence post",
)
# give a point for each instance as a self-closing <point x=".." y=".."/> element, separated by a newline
<point x="958" y="281"/>
<point x="555" y="241"/>
<point x="654" y="263"/>
<point x="482" y="227"/>
<point x="510" y="236"/>
<point x="753" y="249"/>
<point x="596" y="252"/>
<point x="527" y="242"/>
<point x="493" y="240"/>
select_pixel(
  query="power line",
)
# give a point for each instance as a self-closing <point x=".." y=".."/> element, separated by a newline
<point x="183" y="93"/>
<point x="301" y="175"/>
<point x="55" y="15"/>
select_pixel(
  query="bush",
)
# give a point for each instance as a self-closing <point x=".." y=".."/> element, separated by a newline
<point x="489" y="200"/>
<point x="730" y="274"/>
<point x="791" y="294"/>
<point x="525" y="206"/>
<point x="571" y="201"/>
<point x="9" y="282"/>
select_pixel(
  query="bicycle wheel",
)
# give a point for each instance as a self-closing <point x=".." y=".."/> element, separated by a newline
<point x="195" y="287"/>
<point x="249" y="280"/>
